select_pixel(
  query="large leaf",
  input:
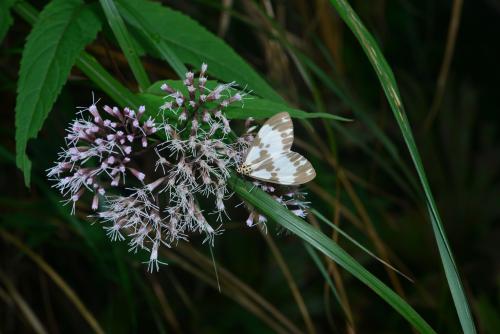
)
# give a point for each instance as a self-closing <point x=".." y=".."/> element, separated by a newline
<point x="251" y="106"/>
<point x="194" y="45"/>
<point x="5" y="17"/>
<point x="60" y="34"/>
<point x="388" y="83"/>
<point x="89" y="65"/>
<point x="314" y="237"/>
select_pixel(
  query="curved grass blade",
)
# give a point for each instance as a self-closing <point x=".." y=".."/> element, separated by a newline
<point x="357" y="244"/>
<point x="23" y="306"/>
<point x="124" y="39"/>
<point x="262" y="108"/>
<point x="388" y="82"/>
<point x="272" y="209"/>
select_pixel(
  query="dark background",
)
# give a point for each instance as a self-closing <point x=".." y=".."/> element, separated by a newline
<point x="456" y="128"/>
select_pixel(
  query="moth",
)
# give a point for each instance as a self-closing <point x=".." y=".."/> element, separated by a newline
<point x="270" y="159"/>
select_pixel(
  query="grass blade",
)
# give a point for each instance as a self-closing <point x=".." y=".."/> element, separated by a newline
<point x="105" y="81"/>
<point x="324" y="273"/>
<point x="124" y="39"/>
<point x="274" y="210"/>
<point x="58" y="280"/>
<point x="299" y="300"/>
<point x="251" y="106"/>
<point x="357" y="244"/>
<point x="23" y="306"/>
<point x="135" y="18"/>
<point x="388" y="82"/>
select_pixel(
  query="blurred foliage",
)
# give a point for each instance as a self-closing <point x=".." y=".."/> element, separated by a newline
<point x="59" y="273"/>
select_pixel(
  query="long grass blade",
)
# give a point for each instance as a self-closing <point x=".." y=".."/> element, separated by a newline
<point x="125" y="41"/>
<point x="231" y="291"/>
<point x="388" y="82"/>
<point x="275" y="211"/>
<point x="357" y="244"/>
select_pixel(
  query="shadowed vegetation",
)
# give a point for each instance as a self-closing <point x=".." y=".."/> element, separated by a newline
<point x="393" y="104"/>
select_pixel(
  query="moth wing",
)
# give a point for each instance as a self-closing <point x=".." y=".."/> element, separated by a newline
<point x="274" y="138"/>
<point x="288" y="168"/>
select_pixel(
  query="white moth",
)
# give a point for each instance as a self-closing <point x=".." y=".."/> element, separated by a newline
<point x="270" y="159"/>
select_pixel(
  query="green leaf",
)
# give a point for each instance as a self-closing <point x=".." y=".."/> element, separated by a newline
<point x="5" y="17"/>
<point x="124" y="39"/>
<point x="64" y="28"/>
<point x="194" y="45"/>
<point x="262" y="108"/>
<point x="388" y="82"/>
<point x="275" y="211"/>
<point x="251" y="106"/>
<point x="89" y="65"/>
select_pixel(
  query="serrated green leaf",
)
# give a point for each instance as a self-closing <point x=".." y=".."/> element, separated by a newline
<point x="194" y="45"/>
<point x="90" y="67"/>
<point x="5" y="17"/>
<point x="62" y="31"/>
<point x="314" y="237"/>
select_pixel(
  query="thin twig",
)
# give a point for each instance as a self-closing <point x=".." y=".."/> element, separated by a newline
<point x="446" y="63"/>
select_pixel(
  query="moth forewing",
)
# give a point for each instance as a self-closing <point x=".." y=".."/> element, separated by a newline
<point x="269" y="157"/>
<point x="273" y="138"/>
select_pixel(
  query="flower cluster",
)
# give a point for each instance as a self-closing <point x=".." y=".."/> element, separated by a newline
<point x="100" y="150"/>
<point x="179" y="164"/>
<point x="291" y="198"/>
